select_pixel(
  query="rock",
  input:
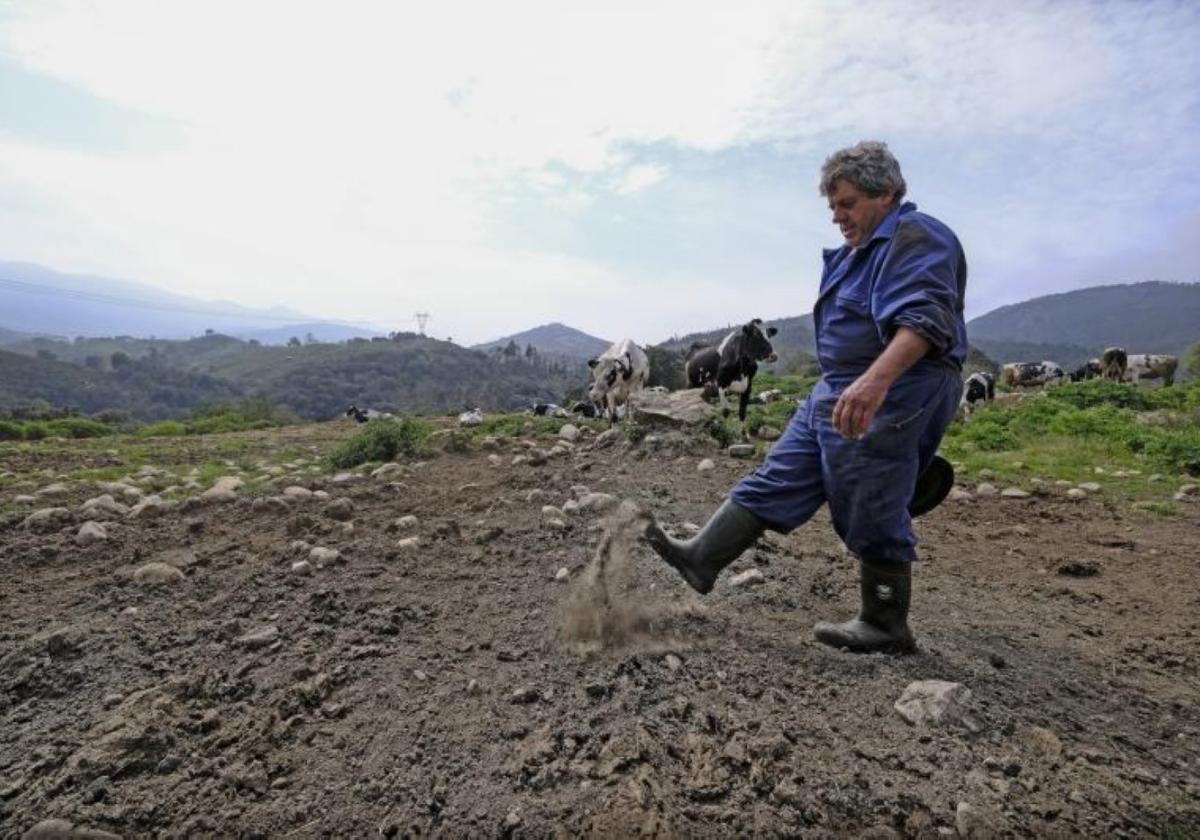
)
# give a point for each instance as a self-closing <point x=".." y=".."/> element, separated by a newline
<point x="260" y="638"/>
<point x="324" y="556"/>
<point x="46" y="520"/>
<point x="986" y="490"/>
<point x="570" y="507"/>
<point x="269" y="504"/>
<point x="409" y="544"/>
<point x="934" y="703"/>
<point x="960" y="495"/>
<point x="768" y="433"/>
<point x="24" y="500"/>
<point x="986" y="473"/>
<point x="1042" y="743"/>
<point x="673" y="662"/>
<point x="741" y="450"/>
<point x="56" y="829"/>
<point x="606" y="438"/>
<point x="1080" y="568"/>
<point x="705" y="465"/>
<point x="474" y="688"/>
<point x="750" y="577"/>
<point x="1077" y="493"/>
<point x="550" y="512"/>
<point x="975" y="822"/>
<point x="56" y="489"/>
<point x="1014" y="493"/>
<point x="562" y="575"/>
<point x="495" y="460"/>
<point x="340" y="510"/>
<point x="104" y="504"/>
<point x="1181" y="497"/>
<point x="675" y="408"/>
<point x="1090" y="487"/>
<point x="404" y="523"/>
<point x="556" y="524"/>
<point x="302" y="567"/>
<point x="569" y="432"/>
<point x="158" y="574"/>
<point x="1189" y="489"/>
<point x="151" y="507"/>
<point x="224" y="490"/>
<point x="596" y="502"/>
<point x="346" y="478"/>
<point x="387" y="471"/>
<point x="300" y="494"/>
<point x="526" y="694"/>
<point x="91" y="532"/>
<point x="1155" y="477"/>
<point x="512" y="820"/>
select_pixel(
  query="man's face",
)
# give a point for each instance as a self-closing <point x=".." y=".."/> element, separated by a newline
<point x="857" y="214"/>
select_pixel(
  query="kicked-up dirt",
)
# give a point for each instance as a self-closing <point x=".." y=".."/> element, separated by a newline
<point x="525" y="668"/>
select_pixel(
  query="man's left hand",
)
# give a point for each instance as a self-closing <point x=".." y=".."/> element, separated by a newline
<point x="857" y="406"/>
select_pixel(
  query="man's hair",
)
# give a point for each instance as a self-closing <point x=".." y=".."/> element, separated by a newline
<point x="869" y="166"/>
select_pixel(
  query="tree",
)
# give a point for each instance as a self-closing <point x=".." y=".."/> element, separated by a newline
<point x="1192" y="360"/>
<point x="530" y="352"/>
<point x="94" y="362"/>
<point x="209" y="331"/>
<point x="293" y="342"/>
<point x="309" y="338"/>
<point x="118" y="359"/>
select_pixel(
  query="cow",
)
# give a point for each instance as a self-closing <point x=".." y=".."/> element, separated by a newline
<point x="732" y="363"/>
<point x="548" y="410"/>
<point x="586" y="409"/>
<point x="618" y="374"/>
<point x="980" y="387"/>
<point x="1114" y="363"/>
<point x="474" y="417"/>
<point x="1019" y="374"/>
<point x="362" y="415"/>
<point x="1089" y="370"/>
<point x="1151" y="366"/>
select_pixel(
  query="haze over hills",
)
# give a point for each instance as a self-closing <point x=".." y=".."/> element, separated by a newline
<point x="39" y="299"/>
<point x="552" y="339"/>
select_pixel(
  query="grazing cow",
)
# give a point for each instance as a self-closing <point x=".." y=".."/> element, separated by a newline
<point x="618" y="374"/>
<point x="1090" y="370"/>
<point x="980" y="387"/>
<point x="548" y="410"/>
<point x="732" y="363"/>
<point x="1152" y="366"/>
<point x="1114" y="363"/>
<point x="474" y="417"/>
<point x="362" y="415"/>
<point x="1019" y="374"/>
<point x="586" y="409"/>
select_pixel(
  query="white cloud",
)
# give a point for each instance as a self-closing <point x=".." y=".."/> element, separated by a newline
<point x="639" y="177"/>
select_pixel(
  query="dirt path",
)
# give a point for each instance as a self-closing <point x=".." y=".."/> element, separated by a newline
<point x="442" y="689"/>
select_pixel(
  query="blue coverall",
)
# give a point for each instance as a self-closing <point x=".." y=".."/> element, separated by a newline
<point x="911" y="273"/>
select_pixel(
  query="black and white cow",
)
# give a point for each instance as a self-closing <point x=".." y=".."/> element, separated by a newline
<point x="732" y="363"/>
<point x="362" y="415"/>
<point x="618" y="375"/>
<point x="1089" y="370"/>
<point x="979" y="388"/>
<point x="1152" y="366"/>
<point x="1018" y="374"/>
<point x="586" y="409"/>
<point x="548" y="410"/>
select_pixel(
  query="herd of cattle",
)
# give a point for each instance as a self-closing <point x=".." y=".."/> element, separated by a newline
<point x="621" y="372"/>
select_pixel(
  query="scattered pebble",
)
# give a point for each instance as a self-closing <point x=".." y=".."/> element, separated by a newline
<point x="705" y="465"/>
<point x="158" y="573"/>
<point x="750" y="577"/>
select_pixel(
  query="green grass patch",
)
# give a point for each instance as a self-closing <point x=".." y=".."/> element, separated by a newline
<point x="382" y="440"/>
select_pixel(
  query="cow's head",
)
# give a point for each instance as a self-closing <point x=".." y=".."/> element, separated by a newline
<point x="606" y="372"/>
<point x="756" y="341"/>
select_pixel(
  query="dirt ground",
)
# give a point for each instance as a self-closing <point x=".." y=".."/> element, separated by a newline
<point x="451" y="687"/>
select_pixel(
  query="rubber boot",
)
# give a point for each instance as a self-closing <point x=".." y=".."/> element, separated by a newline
<point x="882" y="626"/>
<point x="728" y="532"/>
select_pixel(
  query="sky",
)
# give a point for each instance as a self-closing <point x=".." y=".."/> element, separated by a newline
<point x="640" y="169"/>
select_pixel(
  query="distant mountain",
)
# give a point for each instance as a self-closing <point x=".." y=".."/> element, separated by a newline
<point x="319" y="331"/>
<point x="556" y="340"/>
<point x="8" y="336"/>
<point x="1074" y="326"/>
<point x="38" y="299"/>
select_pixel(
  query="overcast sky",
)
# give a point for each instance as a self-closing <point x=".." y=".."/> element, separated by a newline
<point x="629" y="168"/>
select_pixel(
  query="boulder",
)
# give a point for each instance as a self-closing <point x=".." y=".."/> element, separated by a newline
<point x="46" y="520"/>
<point x="674" y="408"/>
<point x="934" y="703"/>
<point x="91" y="532"/>
<point x="158" y="573"/>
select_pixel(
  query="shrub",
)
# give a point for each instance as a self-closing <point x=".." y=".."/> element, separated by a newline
<point x="37" y="430"/>
<point x="163" y="428"/>
<point x="11" y="431"/>
<point x="1176" y="450"/>
<point x="381" y="440"/>
<point x="78" y="427"/>
<point x="721" y="431"/>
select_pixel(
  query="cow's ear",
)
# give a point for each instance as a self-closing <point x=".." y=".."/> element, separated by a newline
<point x="771" y="331"/>
<point x="748" y="329"/>
<point x="627" y="368"/>
<point x="593" y="362"/>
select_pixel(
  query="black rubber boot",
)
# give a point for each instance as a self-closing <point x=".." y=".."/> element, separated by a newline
<point x="882" y="626"/>
<point x="728" y="532"/>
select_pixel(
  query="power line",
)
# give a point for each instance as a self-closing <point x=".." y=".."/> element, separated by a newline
<point x="98" y="297"/>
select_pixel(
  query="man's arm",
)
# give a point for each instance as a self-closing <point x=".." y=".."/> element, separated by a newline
<point x="858" y="404"/>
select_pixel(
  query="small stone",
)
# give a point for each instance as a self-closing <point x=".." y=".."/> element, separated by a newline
<point x="1014" y="493"/>
<point x="597" y="502"/>
<point x="750" y="577"/>
<point x="325" y="556"/>
<point x="55" y="489"/>
<point x="269" y="504"/>
<point x="408" y="544"/>
<point x="933" y="702"/>
<point x="474" y="688"/>
<point x="91" y="532"/>
<point x="673" y="662"/>
<point x="986" y="490"/>
<point x="1077" y="493"/>
<point x="387" y="471"/>
<point x="1189" y="489"/>
<point x="741" y="450"/>
<point x="302" y="567"/>
<point x="512" y="819"/>
<point x="526" y="694"/>
<point x="570" y="507"/>
<point x="1090" y="487"/>
<point x="569" y="432"/>
<point x="340" y="510"/>
<point x="975" y="822"/>
<point x="404" y="523"/>
<point x="300" y="494"/>
<point x="260" y="638"/>
<point x="224" y="489"/>
<point x="151" y="507"/>
<point x="1062" y="482"/>
<point x="1080" y="568"/>
<point x="960" y="495"/>
<point x="562" y="575"/>
<point x="46" y="520"/>
<point x="158" y="573"/>
<point x="705" y="465"/>
<point x="768" y="433"/>
<point x="420" y="676"/>
<point x="556" y="525"/>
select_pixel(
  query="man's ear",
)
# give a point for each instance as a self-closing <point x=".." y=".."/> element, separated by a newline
<point x="593" y="362"/>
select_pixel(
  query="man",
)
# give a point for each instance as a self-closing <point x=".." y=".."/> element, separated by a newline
<point x="891" y="342"/>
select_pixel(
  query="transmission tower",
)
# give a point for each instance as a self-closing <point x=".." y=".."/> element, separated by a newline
<point x="422" y="320"/>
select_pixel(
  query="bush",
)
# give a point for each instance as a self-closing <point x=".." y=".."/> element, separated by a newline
<point x="78" y="427"/>
<point x="11" y="431"/>
<point x="721" y="431"/>
<point x="381" y="440"/>
<point x="163" y="428"/>
<point x="37" y="430"/>
<point x="1176" y="450"/>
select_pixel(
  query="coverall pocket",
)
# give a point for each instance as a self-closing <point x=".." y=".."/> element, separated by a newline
<point x="895" y="429"/>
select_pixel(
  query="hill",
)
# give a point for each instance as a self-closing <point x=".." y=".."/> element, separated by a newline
<point x="38" y="299"/>
<point x="1073" y="326"/>
<point x="555" y="340"/>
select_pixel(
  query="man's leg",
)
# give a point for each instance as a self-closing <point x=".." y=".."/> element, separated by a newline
<point x="782" y="494"/>
<point x="870" y="484"/>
